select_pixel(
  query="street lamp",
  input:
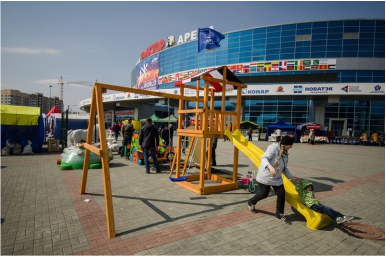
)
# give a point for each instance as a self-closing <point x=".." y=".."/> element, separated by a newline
<point x="50" y="97"/>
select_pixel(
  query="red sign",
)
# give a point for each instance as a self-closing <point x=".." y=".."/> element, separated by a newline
<point x="154" y="48"/>
<point x="314" y="126"/>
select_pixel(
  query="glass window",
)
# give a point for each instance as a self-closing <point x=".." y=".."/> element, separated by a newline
<point x="303" y="25"/>
<point x="364" y="79"/>
<point x="246" y="32"/>
<point x="350" y="29"/>
<point x="287" y="50"/>
<point x="351" y="23"/>
<point x="273" y="34"/>
<point x="233" y="40"/>
<point x="319" y="36"/>
<point x="272" y="57"/>
<point x="302" y="55"/>
<point x="258" y="52"/>
<point x="335" y="36"/>
<point x="246" y="38"/>
<point x="246" y="49"/>
<point x="350" y="42"/>
<point x="288" y="39"/>
<point x="305" y="43"/>
<point x="273" y="51"/>
<point x="289" y="44"/>
<point x="334" y="48"/>
<point x="288" y="27"/>
<point x="338" y="30"/>
<point x="367" y="29"/>
<point x="379" y="73"/>
<point x="259" y="31"/>
<point x="318" y="48"/>
<point x="245" y="43"/>
<point x="245" y="53"/>
<point x="363" y="53"/>
<point x="288" y="33"/>
<point x="318" y="54"/>
<point x="350" y="48"/>
<point x="273" y="29"/>
<point x="233" y="55"/>
<point x="303" y="32"/>
<point x="379" y="29"/>
<point x="259" y="41"/>
<point x="258" y="58"/>
<point x="319" y="31"/>
<point x="234" y="45"/>
<point x="366" y="35"/>
<point x="380" y="35"/>
<point x="272" y="46"/>
<point x="319" y="42"/>
<point x="273" y="40"/>
<point x="245" y="59"/>
<point x="366" y="42"/>
<point x="334" y="54"/>
<point x="335" y="24"/>
<point x="233" y="35"/>
<point x="233" y="60"/>
<point x="335" y="42"/>
<point x="322" y="24"/>
<point x="349" y="54"/>
<point x="284" y="56"/>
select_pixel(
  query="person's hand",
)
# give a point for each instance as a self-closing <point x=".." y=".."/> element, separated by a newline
<point x="296" y="179"/>
<point x="272" y="171"/>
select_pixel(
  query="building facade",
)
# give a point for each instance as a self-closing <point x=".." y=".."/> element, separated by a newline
<point x="331" y="72"/>
<point x="15" y="97"/>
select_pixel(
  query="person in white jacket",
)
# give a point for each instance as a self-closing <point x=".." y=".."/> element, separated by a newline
<point x="273" y="164"/>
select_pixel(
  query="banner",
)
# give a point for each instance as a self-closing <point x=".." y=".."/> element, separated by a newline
<point x="209" y="38"/>
<point x="147" y="73"/>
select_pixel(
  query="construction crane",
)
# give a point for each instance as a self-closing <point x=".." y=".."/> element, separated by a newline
<point x="62" y="83"/>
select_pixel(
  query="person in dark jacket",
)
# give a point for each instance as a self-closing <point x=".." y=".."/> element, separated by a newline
<point x="166" y="135"/>
<point x="148" y="141"/>
<point x="127" y="131"/>
<point x="305" y="189"/>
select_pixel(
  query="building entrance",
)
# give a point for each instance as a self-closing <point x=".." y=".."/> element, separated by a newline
<point x="338" y="126"/>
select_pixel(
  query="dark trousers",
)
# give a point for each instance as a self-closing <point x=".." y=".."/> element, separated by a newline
<point x="126" y="141"/>
<point x="327" y="210"/>
<point x="146" y="158"/>
<point x="264" y="192"/>
<point x="249" y="137"/>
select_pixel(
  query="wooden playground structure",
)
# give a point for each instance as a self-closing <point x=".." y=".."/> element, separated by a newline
<point x="220" y="79"/>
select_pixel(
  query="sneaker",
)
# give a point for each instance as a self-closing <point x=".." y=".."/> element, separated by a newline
<point x="339" y="220"/>
<point x="281" y="216"/>
<point x="343" y="219"/>
<point x="251" y="207"/>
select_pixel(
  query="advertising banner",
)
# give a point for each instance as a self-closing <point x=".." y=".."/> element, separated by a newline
<point x="147" y="73"/>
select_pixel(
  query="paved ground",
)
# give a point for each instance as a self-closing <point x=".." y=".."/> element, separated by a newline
<point x="45" y="214"/>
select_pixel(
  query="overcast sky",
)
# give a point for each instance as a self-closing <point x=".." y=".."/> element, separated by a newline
<point x="88" y="41"/>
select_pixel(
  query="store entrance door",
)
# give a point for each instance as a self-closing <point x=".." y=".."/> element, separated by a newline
<point x="338" y="126"/>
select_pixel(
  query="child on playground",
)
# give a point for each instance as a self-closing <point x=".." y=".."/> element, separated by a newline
<point x="305" y="189"/>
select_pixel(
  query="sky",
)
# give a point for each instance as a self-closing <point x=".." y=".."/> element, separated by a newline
<point x="91" y="40"/>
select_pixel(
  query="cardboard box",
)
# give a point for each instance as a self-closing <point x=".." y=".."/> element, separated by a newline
<point x="53" y="145"/>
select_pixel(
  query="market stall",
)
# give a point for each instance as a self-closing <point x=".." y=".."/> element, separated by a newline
<point x="285" y="130"/>
<point x="319" y="130"/>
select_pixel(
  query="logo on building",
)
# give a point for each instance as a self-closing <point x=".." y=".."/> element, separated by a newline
<point x="175" y="91"/>
<point x="118" y="97"/>
<point x="128" y="96"/>
<point x="377" y="89"/>
<point x="171" y="41"/>
<point x="349" y="89"/>
<point x="246" y="91"/>
<point x="298" y="89"/>
<point x="280" y="89"/>
<point x="320" y="89"/>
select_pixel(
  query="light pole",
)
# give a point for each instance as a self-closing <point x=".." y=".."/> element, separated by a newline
<point x="50" y="97"/>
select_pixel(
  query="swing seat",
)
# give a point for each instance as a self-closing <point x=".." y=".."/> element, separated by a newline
<point x="178" y="179"/>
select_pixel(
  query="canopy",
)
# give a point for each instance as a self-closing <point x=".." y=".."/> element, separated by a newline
<point x="170" y="119"/>
<point x="247" y="124"/>
<point x="320" y="130"/>
<point x="19" y="115"/>
<point x="285" y="128"/>
<point x="53" y="110"/>
<point x="154" y="118"/>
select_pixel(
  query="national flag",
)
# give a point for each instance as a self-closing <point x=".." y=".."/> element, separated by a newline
<point x="215" y="73"/>
<point x="307" y="63"/>
<point x="253" y="64"/>
<point x="267" y="69"/>
<point x="314" y="67"/>
<point x="315" y="62"/>
<point x="275" y="63"/>
<point x="307" y="67"/>
<point x="283" y="66"/>
<point x="253" y="69"/>
<point x="322" y="62"/>
<point x="323" y="67"/>
<point x="275" y="68"/>
<point x="260" y="69"/>
<point x="331" y="66"/>
<point x="209" y="39"/>
<point x="261" y="64"/>
<point x="292" y="63"/>
<point x="290" y="68"/>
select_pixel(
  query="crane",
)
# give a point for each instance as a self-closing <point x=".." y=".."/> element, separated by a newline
<point x="61" y="82"/>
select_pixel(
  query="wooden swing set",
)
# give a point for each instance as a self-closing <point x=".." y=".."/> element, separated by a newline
<point x="220" y="79"/>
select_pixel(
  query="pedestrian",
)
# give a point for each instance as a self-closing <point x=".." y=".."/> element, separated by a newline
<point x="148" y="142"/>
<point x="250" y="133"/>
<point x="165" y="135"/>
<point x="171" y="134"/>
<point x="363" y="138"/>
<point x="127" y="133"/>
<point x="305" y="189"/>
<point x="273" y="164"/>
<point x="116" y="130"/>
<point x="311" y="137"/>
<point x="330" y="136"/>
<point x="214" y="146"/>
